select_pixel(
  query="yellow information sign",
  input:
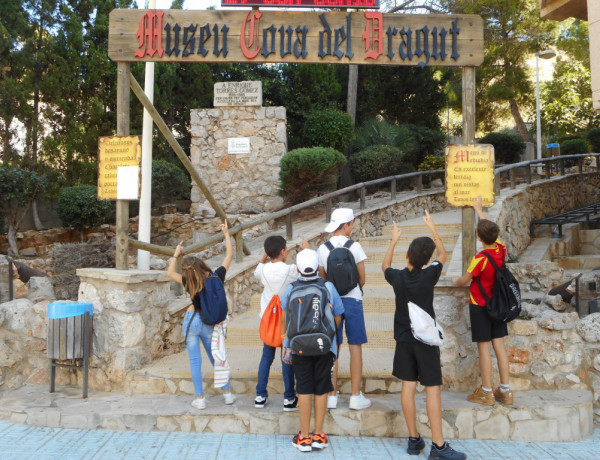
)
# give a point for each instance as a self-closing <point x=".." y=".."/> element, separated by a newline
<point x="470" y="173"/>
<point x="114" y="152"/>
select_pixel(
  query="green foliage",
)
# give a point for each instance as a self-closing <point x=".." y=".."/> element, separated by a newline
<point x="574" y="40"/>
<point x="19" y="186"/>
<point x="306" y="172"/>
<point x="426" y="141"/>
<point x="328" y="128"/>
<point x="79" y="207"/>
<point x="574" y="147"/>
<point x="508" y="148"/>
<point x="433" y="163"/>
<point x="593" y="138"/>
<point x="169" y="182"/>
<point x="377" y="161"/>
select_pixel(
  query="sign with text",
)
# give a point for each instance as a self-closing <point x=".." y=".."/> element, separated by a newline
<point x="470" y="173"/>
<point x="237" y="145"/>
<point x="326" y="37"/>
<point x="371" y="4"/>
<point x="113" y="153"/>
<point x="240" y="93"/>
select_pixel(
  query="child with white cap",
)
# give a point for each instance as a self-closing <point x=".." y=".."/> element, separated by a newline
<point x="341" y="261"/>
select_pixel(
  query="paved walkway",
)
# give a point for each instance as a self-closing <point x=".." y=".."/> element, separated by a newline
<point x="26" y="442"/>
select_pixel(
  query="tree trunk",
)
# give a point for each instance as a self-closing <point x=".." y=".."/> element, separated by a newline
<point x="514" y="110"/>
<point x="36" y="217"/>
<point x="13" y="249"/>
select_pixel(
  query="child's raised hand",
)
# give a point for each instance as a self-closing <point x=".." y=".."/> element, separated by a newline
<point x="478" y="204"/>
<point x="304" y="244"/>
<point x="428" y="221"/>
<point x="224" y="228"/>
<point x="396" y="232"/>
<point x="178" y="250"/>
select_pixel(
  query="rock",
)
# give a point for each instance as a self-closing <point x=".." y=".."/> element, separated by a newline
<point x="156" y="263"/>
<point x="555" y="321"/>
<point x="437" y="183"/>
<point x="531" y="310"/>
<point x="204" y="211"/>
<point x="556" y="302"/>
<point x="17" y="313"/>
<point x="589" y="328"/>
<point x="40" y="289"/>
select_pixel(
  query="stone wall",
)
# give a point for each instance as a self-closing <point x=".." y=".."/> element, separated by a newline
<point x="5" y="279"/>
<point x="239" y="181"/>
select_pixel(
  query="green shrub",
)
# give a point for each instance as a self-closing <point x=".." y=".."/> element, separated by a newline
<point x="79" y="207"/>
<point x="328" y="128"/>
<point x="169" y="182"/>
<point x="593" y="138"/>
<point x="377" y="161"/>
<point x="508" y="148"/>
<point x="574" y="147"/>
<point x="433" y="163"/>
<point x="425" y="141"/>
<point x="306" y="172"/>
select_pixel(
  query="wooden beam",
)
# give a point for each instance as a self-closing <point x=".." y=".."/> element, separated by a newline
<point x="122" y="206"/>
<point x="164" y="129"/>
<point x="468" y="115"/>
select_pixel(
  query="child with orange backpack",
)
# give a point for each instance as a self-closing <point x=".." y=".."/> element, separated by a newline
<point x="275" y="277"/>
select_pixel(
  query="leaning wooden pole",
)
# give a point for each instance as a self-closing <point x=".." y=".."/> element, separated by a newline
<point x="164" y="129"/>
<point x="468" y="134"/>
<point x="122" y="206"/>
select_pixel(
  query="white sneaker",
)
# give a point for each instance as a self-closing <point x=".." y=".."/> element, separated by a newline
<point x="199" y="403"/>
<point x="359" y="402"/>
<point x="332" y="401"/>
<point x="229" y="398"/>
<point x="260" y="402"/>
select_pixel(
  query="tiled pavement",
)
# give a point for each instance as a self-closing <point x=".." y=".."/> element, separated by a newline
<point x="25" y="442"/>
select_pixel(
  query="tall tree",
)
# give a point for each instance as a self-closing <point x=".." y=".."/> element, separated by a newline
<point x="514" y="31"/>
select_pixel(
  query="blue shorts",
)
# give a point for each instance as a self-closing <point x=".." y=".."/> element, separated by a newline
<point x="354" y="318"/>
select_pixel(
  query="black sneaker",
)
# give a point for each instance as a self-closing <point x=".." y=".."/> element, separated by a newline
<point x="445" y="452"/>
<point x="290" y="405"/>
<point x="415" y="445"/>
<point x="260" y="402"/>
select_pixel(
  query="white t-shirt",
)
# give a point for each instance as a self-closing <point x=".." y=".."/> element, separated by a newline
<point x="275" y="277"/>
<point x="357" y="251"/>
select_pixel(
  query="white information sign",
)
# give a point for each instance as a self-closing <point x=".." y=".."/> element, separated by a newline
<point x="128" y="183"/>
<point x="238" y="145"/>
<point x="238" y="93"/>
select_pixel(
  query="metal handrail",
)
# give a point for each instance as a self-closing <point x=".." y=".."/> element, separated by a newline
<point x="328" y="198"/>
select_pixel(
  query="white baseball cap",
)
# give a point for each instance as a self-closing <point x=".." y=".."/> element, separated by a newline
<point x="307" y="262"/>
<point x="338" y="217"/>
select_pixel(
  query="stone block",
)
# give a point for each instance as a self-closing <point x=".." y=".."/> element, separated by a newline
<point x="496" y="427"/>
<point x="375" y="423"/>
<point x="516" y="355"/>
<point x="226" y="424"/>
<point x="200" y="423"/>
<point x="374" y="385"/>
<point x="517" y="415"/>
<point x="396" y="385"/>
<point x="114" y="423"/>
<point x="348" y="423"/>
<point x="263" y="423"/>
<point x="168" y="424"/>
<point x="535" y="430"/>
<point x="589" y="328"/>
<point x="399" y="428"/>
<point x="140" y="422"/>
<point x="40" y="288"/>
<point x="464" y="424"/>
<point x="519" y="384"/>
<point x="555" y="321"/>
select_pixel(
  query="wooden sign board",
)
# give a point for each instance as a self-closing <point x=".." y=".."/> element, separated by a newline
<point x="114" y="152"/>
<point x="470" y="173"/>
<point x="253" y="36"/>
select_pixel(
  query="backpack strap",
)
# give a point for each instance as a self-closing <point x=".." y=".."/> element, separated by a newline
<point x="329" y="246"/>
<point x="348" y="243"/>
<point x="491" y="259"/>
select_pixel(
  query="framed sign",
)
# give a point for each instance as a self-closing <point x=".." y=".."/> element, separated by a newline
<point x="114" y="153"/>
<point x="470" y="173"/>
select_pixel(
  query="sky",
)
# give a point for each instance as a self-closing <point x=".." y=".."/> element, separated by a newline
<point x="188" y="5"/>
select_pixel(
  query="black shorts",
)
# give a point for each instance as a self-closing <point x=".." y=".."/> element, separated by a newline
<point x="418" y="361"/>
<point x="313" y="374"/>
<point x="483" y="329"/>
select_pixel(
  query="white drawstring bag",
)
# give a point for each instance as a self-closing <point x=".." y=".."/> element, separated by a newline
<point x="424" y="327"/>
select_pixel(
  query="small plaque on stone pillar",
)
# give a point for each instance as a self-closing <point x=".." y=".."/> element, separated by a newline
<point x="238" y="145"/>
<point x="240" y="93"/>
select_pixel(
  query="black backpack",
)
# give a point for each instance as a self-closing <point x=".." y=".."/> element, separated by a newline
<point x="341" y="268"/>
<point x="505" y="304"/>
<point x="309" y="318"/>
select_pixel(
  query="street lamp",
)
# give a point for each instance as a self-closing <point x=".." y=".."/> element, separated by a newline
<point x="546" y="54"/>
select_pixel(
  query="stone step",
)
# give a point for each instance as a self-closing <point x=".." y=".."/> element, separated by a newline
<point x="384" y="242"/>
<point x="536" y="416"/>
<point x="376" y="255"/>
<point x="422" y="230"/>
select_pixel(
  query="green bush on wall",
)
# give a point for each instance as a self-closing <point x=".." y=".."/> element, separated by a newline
<point x="508" y="148"/>
<point x="328" y="128"/>
<point x="433" y="163"/>
<point x="307" y="172"/>
<point x="377" y="161"/>
<point x="574" y="147"/>
<point x="79" y="207"/>
<point x="593" y="138"/>
<point x="169" y="182"/>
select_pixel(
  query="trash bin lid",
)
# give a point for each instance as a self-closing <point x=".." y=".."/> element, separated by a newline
<point x="57" y="310"/>
<point x="553" y="146"/>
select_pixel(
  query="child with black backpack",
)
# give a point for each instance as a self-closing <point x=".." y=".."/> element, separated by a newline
<point x="208" y="309"/>
<point x="313" y="311"/>
<point x="418" y="360"/>
<point x="275" y="277"/>
<point x="486" y="332"/>
<point x="342" y="262"/>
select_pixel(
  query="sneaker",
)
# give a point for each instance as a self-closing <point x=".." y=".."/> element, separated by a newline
<point x="229" y="398"/>
<point x="290" y="405"/>
<point x="332" y="401"/>
<point x="199" y="403"/>
<point x="359" y="402"/>
<point x="446" y="452"/>
<point x="481" y="397"/>
<point x="260" y="401"/>
<point x="319" y="441"/>
<point x="302" y="444"/>
<point x="504" y="397"/>
<point x="415" y="445"/>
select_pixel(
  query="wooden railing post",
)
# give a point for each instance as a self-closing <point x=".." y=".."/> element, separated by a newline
<point x="239" y="247"/>
<point x="419" y="183"/>
<point x="580" y="164"/>
<point x="363" y="193"/>
<point x="328" y="206"/>
<point x="528" y="174"/>
<point x="289" y="227"/>
<point x="393" y="189"/>
<point x="511" y="177"/>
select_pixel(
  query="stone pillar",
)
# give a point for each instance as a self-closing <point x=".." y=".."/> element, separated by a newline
<point x="5" y="280"/>
<point x="130" y="317"/>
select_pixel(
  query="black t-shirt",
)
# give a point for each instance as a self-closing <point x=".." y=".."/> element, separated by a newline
<point x="220" y="272"/>
<point x="418" y="288"/>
